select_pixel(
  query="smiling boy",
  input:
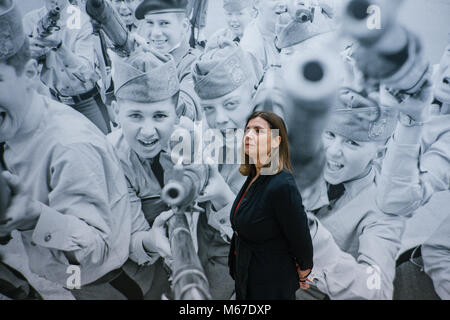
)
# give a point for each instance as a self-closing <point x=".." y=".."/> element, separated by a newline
<point x="69" y="198"/>
<point x="147" y="93"/>
<point x="238" y="14"/>
<point x="355" y="244"/>
<point x="166" y="28"/>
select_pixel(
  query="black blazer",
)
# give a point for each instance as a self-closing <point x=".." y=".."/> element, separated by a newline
<point x="271" y="236"/>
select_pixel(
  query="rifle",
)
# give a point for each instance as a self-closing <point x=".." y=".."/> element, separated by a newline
<point x="388" y="53"/>
<point x="311" y="83"/>
<point x="189" y="280"/>
<point x="197" y="12"/>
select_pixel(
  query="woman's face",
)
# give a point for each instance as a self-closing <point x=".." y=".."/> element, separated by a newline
<point x="347" y="159"/>
<point x="258" y="140"/>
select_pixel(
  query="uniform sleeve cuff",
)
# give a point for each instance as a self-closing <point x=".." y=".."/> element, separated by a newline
<point x="138" y="252"/>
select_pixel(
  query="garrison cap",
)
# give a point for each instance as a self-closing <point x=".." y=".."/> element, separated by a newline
<point x="360" y="117"/>
<point x="221" y="70"/>
<point x="236" y="5"/>
<point x="12" y="36"/>
<point x="145" y="77"/>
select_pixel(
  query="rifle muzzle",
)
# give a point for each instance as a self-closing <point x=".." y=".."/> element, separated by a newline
<point x="311" y="82"/>
<point x="102" y="12"/>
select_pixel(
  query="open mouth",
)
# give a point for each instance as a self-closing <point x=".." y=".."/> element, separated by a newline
<point x="334" y="166"/>
<point x="159" y="43"/>
<point x="148" y="143"/>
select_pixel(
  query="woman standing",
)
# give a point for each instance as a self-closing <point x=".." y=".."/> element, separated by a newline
<point x="271" y="252"/>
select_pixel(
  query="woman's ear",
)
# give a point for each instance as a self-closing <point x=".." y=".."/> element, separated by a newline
<point x="276" y="142"/>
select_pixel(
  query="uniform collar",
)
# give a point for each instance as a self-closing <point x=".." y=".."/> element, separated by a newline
<point x="180" y="52"/>
<point x="354" y="187"/>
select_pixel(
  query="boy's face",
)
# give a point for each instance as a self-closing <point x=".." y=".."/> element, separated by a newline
<point x="230" y="111"/>
<point x="442" y="80"/>
<point x="147" y="127"/>
<point x="126" y="9"/>
<point x="346" y="159"/>
<point x="13" y="106"/>
<point x="165" y="31"/>
<point x="51" y="4"/>
<point x="268" y="11"/>
<point x="238" y="20"/>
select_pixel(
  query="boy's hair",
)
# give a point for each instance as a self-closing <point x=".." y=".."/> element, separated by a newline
<point x="175" y="98"/>
<point x="19" y="59"/>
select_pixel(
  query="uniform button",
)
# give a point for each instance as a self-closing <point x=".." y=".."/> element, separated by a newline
<point x="48" y="237"/>
<point x="222" y="221"/>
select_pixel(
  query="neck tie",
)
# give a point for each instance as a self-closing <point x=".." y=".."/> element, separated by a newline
<point x="158" y="170"/>
<point x="335" y="191"/>
<point x="237" y="39"/>
<point x="2" y="160"/>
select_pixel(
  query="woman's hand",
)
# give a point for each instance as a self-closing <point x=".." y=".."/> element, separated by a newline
<point x="217" y="190"/>
<point x="156" y="239"/>
<point x="303" y="275"/>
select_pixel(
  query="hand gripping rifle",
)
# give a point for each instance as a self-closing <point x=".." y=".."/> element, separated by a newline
<point x="183" y="186"/>
<point x="388" y="53"/>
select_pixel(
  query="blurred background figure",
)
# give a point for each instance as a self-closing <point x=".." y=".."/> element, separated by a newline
<point x="126" y="9"/>
<point x="238" y="14"/>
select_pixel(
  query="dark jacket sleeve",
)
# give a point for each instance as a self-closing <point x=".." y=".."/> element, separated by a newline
<point x="291" y="216"/>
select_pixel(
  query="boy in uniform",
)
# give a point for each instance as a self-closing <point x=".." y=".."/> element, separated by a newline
<point x="68" y="56"/>
<point x="147" y="91"/>
<point x="415" y="180"/>
<point x="355" y="244"/>
<point x="238" y="14"/>
<point x="166" y="28"/>
<point x="69" y="198"/>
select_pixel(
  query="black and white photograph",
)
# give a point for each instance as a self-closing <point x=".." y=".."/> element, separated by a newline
<point x="237" y="151"/>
